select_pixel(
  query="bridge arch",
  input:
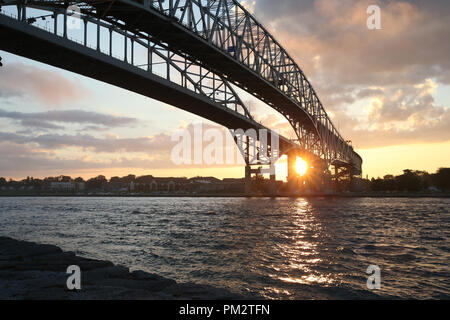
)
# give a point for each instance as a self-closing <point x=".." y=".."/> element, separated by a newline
<point x="224" y="37"/>
<point x="225" y="40"/>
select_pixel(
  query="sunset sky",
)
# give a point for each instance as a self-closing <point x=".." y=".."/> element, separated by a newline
<point x="386" y="90"/>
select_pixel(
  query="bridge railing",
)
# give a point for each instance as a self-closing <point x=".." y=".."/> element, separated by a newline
<point x="160" y="61"/>
<point x="228" y="26"/>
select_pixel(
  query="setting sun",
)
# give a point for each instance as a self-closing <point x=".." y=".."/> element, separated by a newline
<point x="301" y="166"/>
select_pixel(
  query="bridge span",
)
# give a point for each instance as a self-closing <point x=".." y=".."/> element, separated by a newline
<point x="196" y="51"/>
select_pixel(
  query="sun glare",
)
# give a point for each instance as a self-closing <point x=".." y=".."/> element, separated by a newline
<point x="301" y="166"/>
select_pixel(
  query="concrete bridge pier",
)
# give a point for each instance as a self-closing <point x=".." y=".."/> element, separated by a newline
<point x="272" y="188"/>
<point x="336" y="179"/>
<point x="327" y="186"/>
<point x="293" y="177"/>
<point x="310" y="183"/>
<point x="248" y="180"/>
<point x="342" y="178"/>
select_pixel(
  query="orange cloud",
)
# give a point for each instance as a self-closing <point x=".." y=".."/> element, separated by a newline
<point x="49" y="87"/>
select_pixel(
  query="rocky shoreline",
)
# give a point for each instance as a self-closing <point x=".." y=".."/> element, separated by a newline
<point x="35" y="271"/>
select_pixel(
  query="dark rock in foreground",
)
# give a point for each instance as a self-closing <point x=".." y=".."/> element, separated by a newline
<point x="38" y="271"/>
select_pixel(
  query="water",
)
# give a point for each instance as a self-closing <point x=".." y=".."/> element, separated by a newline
<point x="274" y="248"/>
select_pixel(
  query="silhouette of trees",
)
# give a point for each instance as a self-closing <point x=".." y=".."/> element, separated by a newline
<point x="409" y="181"/>
<point x="96" y="183"/>
<point x="258" y="182"/>
<point x="442" y="179"/>
<point x="413" y="181"/>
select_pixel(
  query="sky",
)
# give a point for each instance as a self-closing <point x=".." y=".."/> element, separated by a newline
<point x="387" y="90"/>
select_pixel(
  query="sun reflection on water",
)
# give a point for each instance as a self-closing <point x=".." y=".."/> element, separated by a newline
<point x="301" y="254"/>
<point x="309" y="279"/>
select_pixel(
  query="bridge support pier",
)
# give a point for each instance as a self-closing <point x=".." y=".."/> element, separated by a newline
<point x="197" y="96"/>
<point x="336" y="179"/>
<point x="248" y="180"/>
<point x="343" y="178"/>
<point x="292" y="177"/>
<point x="260" y="185"/>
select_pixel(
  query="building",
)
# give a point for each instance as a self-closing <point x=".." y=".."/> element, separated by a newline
<point x="62" y="186"/>
<point x="153" y="184"/>
<point x="66" y="186"/>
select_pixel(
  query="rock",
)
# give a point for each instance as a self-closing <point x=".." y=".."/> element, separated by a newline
<point x="200" y="292"/>
<point x="27" y="249"/>
<point x="99" y="274"/>
<point x="34" y="271"/>
<point x="141" y="275"/>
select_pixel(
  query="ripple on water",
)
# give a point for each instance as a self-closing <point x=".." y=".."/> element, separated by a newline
<point x="275" y="248"/>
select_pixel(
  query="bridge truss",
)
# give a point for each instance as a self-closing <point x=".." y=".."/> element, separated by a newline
<point x="205" y="46"/>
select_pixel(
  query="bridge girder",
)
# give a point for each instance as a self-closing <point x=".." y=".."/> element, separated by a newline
<point x="222" y="34"/>
<point x="63" y="52"/>
<point x="228" y="27"/>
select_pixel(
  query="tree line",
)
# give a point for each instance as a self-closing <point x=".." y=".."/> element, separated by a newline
<point x="413" y="181"/>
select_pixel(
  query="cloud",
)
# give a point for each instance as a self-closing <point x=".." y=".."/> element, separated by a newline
<point x="329" y="38"/>
<point x="401" y="104"/>
<point x="20" y="158"/>
<point x="423" y="132"/>
<point x="159" y="144"/>
<point x="49" y="87"/>
<point x="59" y="152"/>
<point x="46" y="120"/>
<point x="52" y="152"/>
<point x="396" y="68"/>
<point x="276" y="122"/>
<point x="109" y="144"/>
<point x="398" y="116"/>
<point x="249" y="5"/>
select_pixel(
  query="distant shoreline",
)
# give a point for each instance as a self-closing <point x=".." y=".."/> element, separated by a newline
<point x="225" y="195"/>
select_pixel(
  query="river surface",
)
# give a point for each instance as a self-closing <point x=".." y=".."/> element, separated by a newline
<point x="275" y="248"/>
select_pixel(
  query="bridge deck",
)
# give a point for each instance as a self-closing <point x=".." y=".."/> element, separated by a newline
<point x="175" y="34"/>
<point x="56" y="51"/>
<point x="310" y="121"/>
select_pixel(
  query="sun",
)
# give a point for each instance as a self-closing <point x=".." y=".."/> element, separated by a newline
<point x="301" y="166"/>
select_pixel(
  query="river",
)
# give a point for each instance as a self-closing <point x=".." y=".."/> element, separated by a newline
<point x="283" y="248"/>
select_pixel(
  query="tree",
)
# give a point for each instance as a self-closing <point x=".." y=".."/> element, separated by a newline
<point x="389" y="183"/>
<point x="425" y="179"/>
<point x="376" y="184"/>
<point x="442" y="179"/>
<point x="114" y="180"/>
<point x="258" y="182"/>
<point x="409" y="181"/>
<point x="127" y="179"/>
<point x="96" y="183"/>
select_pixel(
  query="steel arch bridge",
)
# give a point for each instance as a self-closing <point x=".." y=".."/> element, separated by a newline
<point x="188" y="53"/>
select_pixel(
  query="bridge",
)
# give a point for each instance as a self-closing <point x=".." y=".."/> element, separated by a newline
<point x="191" y="54"/>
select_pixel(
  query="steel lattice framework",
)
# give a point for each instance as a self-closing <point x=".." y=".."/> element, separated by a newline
<point x="210" y="44"/>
